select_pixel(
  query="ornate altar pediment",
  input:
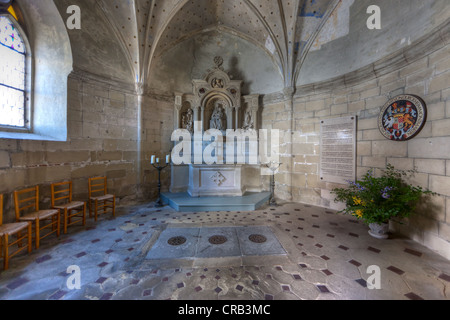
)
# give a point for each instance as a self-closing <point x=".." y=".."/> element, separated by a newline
<point x="217" y="101"/>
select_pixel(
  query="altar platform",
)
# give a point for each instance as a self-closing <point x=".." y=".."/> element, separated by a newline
<point x="183" y="202"/>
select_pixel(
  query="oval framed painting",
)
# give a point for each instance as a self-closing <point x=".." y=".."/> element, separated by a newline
<point x="402" y="117"/>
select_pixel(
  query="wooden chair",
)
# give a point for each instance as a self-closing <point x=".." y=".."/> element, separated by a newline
<point x="27" y="209"/>
<point x="7" y="231"/>
<point x="99" y="197"/>
<point x="62" y="200"/>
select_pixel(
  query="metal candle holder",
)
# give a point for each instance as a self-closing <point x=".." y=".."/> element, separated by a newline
<point x="273" y="166"/>
<point x="159" y="202"/>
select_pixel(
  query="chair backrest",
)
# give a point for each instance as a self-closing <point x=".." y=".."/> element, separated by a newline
<point x="97" y="186"/>
<point x="61" y="193"/>
<point x="1" y="209"/>
<point x="26" y="199"/>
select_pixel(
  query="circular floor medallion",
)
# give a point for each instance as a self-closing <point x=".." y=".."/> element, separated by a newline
<point x="218" y="240"/>
<point x="257" y="238"/>
<point x="177" y="241"/>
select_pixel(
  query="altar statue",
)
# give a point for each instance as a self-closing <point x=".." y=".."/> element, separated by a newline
<point x="187" y="121"/>
<point x="248" y="120"/>
<point x="217" y="118"/>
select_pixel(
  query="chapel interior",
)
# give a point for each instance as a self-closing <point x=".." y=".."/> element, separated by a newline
<point x="107" y="89"/>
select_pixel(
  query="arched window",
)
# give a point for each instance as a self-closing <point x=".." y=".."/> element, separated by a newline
<point x="34" y="71"/>
<point x="13" y="74"/>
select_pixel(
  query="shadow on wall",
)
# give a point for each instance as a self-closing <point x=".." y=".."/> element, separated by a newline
<point x="424" y="221"/>
<point x="237" y="74"/>
<point x="430" y="207"/>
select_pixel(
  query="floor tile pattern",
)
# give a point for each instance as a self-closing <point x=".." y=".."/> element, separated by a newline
<point x="327" y="257"/>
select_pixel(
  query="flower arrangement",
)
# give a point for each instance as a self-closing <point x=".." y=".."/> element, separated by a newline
<point x="378" y="199"/>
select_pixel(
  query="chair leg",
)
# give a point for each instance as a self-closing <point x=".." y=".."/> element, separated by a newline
<point x="6" y="258"/>
<point x="19" y="236"/>
<point x="1" y="247"/>
<point x="90" y="208"/>
<point x="114" y="207"/>
<point x="29" y="237"/>
<point x="65" y="220"/>
<point x="58" y="224"/>
<point x="36" y="233"/>
<point x="53" y="223"/>
<point x="96" y="210"/>
<point x="84" y="214"/>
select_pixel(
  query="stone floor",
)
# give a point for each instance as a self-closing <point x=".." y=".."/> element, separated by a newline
<point x="326" y="256"/>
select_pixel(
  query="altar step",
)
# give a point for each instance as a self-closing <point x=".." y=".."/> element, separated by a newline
<point x="183" y="202"/>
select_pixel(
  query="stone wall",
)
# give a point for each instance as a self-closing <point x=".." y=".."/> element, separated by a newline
<point x="424" y="70"/>
<point x="110" y="134"/>
<point x="158" y="123"/>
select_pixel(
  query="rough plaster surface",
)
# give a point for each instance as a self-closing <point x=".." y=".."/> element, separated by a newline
<point x="190" y="60"/>
<point x="402" y="23"/>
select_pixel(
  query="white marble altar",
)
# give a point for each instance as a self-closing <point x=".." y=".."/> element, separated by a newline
<point x="216" y="103"/>
<point x="212" y="180"/>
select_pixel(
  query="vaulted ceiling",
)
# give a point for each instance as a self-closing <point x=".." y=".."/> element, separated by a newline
<point x="146" y="29"/>
<point x="283" y="28"/>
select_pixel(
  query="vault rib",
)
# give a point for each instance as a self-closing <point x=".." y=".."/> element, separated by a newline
<point x="107" y="16"/>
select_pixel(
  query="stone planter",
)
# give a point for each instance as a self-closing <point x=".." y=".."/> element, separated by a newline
<point x="379" y="231"/>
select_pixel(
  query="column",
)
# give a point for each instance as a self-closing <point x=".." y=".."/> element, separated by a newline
<point x="229" y="111"/>
<point x="289" y="105"/>
<point x="177" y="110"/>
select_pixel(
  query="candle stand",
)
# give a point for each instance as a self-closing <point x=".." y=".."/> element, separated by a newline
<point x="159" y="202"/>
<point x="273" y="167"/>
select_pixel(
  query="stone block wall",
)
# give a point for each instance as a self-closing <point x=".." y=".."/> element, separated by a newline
<point x="109" y="134"/>
<point x="158" y="119"/>
<point x="423" y="71"/>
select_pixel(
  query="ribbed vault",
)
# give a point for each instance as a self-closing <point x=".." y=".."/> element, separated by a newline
<point x="147" y="29"/>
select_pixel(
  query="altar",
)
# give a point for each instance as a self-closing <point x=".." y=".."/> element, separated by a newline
<point x="213" y="180"/>
<point x="215" y="107"/>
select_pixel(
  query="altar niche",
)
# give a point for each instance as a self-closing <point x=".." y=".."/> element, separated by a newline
<point x="216" y="103"/>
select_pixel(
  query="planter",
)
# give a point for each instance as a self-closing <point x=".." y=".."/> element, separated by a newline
<point x="379" y="230"/>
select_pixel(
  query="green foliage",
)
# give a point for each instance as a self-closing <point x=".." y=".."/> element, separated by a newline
<point x="378" y="199"/>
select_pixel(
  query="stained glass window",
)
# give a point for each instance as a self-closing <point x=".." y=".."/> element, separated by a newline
<point x="12" y="75"/>
<point x="12" y="12"/>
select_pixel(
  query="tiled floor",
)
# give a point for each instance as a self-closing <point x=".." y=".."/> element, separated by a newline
<point x="327" y="257"/>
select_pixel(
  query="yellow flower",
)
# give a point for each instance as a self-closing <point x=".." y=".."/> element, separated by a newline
<point x="358" y="201"/>
<point x="359" y="213"/>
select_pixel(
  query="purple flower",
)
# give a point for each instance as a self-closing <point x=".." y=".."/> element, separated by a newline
<point x="385" y="192"/>
<point x="360" y="187"/>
